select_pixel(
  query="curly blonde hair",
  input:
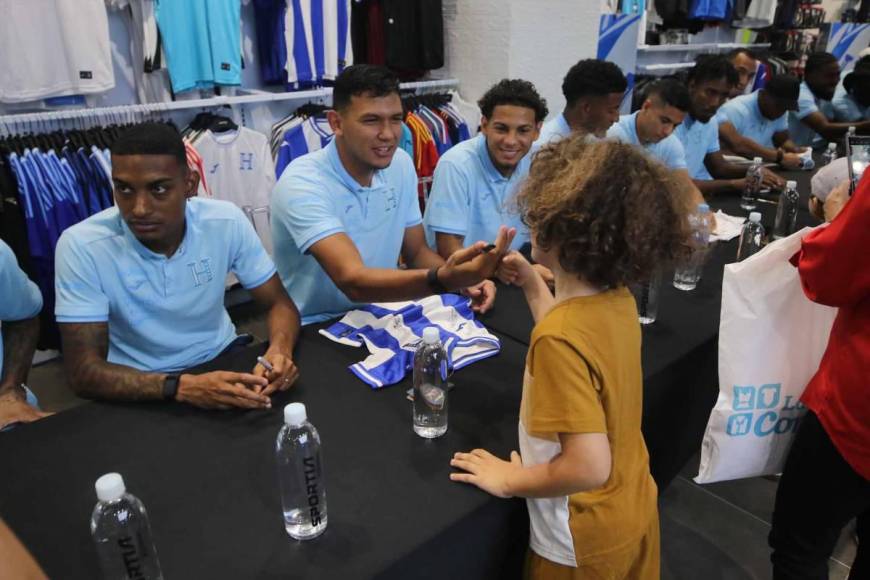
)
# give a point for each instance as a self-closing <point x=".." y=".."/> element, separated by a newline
<point x="615" y="214"/>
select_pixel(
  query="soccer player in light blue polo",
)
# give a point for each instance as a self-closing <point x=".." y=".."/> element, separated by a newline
<point x="813" y="124"/>
<point x="593" y="91"/>
<point x="476" y="181"/>
<point x="710" y="82"/>
<point x="852" y="99"/>
<point x="140" y="287"/>
<point x="755" y="125"/>
<point x="652" y="128"/>
<point x="20" y="303"/>
<point x="343" y="216"/>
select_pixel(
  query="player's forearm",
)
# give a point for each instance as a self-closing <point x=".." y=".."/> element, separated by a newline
<point x="425" y="258"/>
<point x="383" y="285"/>
<point x="557" y="478"/>
<point x="718" y="186"/>
<point x="748" y="148"/>
<point x="283" y="326"/>
<point x="19" y="344"/>
<point x="99" y="379"/>
<point x="448" y="243"/>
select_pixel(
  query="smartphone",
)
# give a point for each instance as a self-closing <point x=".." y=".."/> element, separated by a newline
<point x="858" y="153"/>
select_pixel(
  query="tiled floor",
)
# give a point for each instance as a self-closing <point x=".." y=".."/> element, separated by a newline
<point x="711" y="532"/>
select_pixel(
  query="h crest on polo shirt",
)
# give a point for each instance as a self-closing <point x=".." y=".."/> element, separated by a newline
<point x="201" y="272"/>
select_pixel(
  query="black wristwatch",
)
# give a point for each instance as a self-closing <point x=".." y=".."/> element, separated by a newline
<point x="434" y="283"/>
<point x="170" y="387"/>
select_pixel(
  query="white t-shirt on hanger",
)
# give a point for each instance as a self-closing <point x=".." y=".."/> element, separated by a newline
<point x="240" y="169"/>
<point x="50" y="48"/>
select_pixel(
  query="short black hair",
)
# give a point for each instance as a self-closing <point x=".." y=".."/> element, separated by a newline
<point x="731" y="54"/>
<point x="363" y="79"/>
<point x="592" y="77"/>
<point x="151" y="138"/>
<point x="671" y="92"/>
<point x="712" y="67"/>
<point x="818" y="60"/>
<point x="513" y="92"/>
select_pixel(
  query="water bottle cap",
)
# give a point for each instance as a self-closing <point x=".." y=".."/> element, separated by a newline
<point x="791" y="184"/>
<point x="110" y="487"/>
<point x="757" y="160"/>
<point x="755" y="217"/>
<point x="703" y="208"/>
<point x="832" y="146"/>
<point x="430" y="335"/>
<point x="295" y="414"/>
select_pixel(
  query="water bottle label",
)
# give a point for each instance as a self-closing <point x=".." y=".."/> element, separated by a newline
<point x="132" y="558"/>
<point x="311" y="485"/>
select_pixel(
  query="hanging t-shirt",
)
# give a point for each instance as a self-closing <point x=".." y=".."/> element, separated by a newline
<point x="202" y="41"/>
<point x="310" y="135"/>
<point x="50" y="48"/>
<point x="269" y="16"/>
<point x="151" y="80"/>
<point x="239" y="168"/>
<point x="317" y="36"/>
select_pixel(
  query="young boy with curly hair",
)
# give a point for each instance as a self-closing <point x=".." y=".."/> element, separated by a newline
<point x="601" y="215"/>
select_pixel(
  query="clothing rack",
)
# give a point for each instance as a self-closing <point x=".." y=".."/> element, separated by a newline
<point x="48" y="121"/>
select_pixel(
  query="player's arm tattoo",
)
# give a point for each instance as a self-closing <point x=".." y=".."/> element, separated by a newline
<point x="90" y="375"/>
<point x="19" y="344"/>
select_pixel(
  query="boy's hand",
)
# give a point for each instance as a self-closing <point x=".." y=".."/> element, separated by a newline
<point x="515" y="269"/>
<point x="486" y="471"/>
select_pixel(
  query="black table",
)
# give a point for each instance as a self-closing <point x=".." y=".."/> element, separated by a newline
<point x="209" y="483"/>
<point x="208" y="479"/>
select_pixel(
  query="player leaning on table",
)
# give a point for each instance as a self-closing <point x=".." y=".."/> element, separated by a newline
<point x="140" y="287"/>
<point x="20" y="303"/>
<point x="344" y="215"/>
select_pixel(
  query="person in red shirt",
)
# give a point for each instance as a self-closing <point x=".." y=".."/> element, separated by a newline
<point x="826" y="480"/>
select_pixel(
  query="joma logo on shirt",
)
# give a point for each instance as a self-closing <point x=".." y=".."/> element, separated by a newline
<point x="202" y="274"/>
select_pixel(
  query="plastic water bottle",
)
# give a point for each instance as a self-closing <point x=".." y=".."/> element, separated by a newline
<point x="300" y="474"/>
<point x="119" y="525"/>
<point x="687" y="276"/>
<point x="786" y="211"/>
<point x="647" y="297"/>
<point x="430" y="386"/>
<point x="754" y="177"/>
<point x="830" y="154"/>
<point x="751" y="237"/>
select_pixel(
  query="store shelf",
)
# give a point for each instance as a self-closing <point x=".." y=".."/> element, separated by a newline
<point x="705" y="47"/>
<point x="663" y="67"/>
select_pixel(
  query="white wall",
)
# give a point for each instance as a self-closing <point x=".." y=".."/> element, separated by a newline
<point x="487" y="40"/>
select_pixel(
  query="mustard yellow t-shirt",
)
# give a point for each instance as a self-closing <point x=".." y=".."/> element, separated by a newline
<point x="583" y="375"/>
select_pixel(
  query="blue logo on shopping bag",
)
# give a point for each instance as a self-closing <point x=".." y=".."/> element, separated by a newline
<point x="758" y="410"/>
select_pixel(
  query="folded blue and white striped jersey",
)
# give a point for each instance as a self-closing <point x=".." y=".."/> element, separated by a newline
<point x="392" y="331"/>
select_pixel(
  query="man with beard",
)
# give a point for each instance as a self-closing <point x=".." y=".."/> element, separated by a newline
<point x="709" y="83"/>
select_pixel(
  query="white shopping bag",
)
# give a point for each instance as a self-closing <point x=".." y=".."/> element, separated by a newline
<point x="771" y="339"/>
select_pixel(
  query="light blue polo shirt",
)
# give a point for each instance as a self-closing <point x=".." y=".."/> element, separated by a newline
<point x="743" y="112"/>
<point x="164" y="314"/>
<point x="20" y="298"/>
<point x="316" y="198"/>
<point x="554" y="129"/>
<point x="669" y="150"/>
<point x="808" y="103"/>
<point x="470" y="198"/>
<point x="846" y="108"/>
<point x="698" y="140"/>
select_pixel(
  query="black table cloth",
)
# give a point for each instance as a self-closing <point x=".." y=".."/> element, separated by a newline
<point x="208" y="478"/>
<point x="209" y="483"/>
